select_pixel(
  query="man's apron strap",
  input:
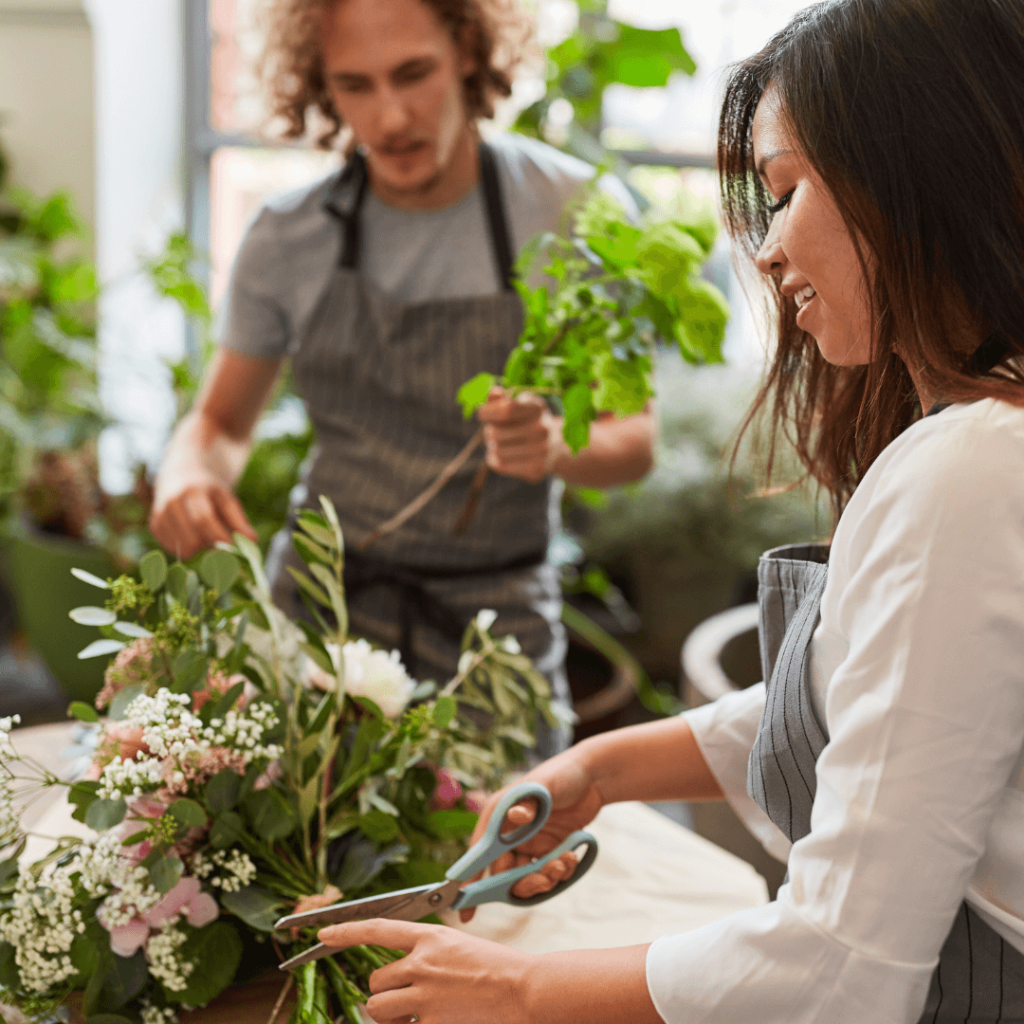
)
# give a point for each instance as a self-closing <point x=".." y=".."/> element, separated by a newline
<point x="497" y="216"/>
<point x="355" y="179"/>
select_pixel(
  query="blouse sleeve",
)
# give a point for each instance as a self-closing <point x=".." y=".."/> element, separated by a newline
<point x="725" y="731"/>
<point x="926" y="720"/>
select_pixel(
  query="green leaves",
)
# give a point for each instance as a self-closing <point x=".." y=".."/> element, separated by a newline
<point x="219" y="570"/>
<point x="619" y="287"/>
<point x="444" y="711"/>
<point x="215" y="953"/>
<point x="257" y="907"/>
<point x="271" y="816"/>
<point x="83" y="712"/>
<point x="166" y="872"/>
<point x="474" y="392"/>
<point x="222" y="791"/>
<point x="104" y="814"/>
<point x="153" y="569"/>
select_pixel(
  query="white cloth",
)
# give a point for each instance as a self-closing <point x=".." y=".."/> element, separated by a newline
<point x="918" y="664"/>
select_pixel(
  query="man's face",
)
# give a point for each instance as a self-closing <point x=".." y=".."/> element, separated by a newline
<point x="395" y="76"/>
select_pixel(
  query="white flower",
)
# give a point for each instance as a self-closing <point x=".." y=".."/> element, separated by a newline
<point x="313" y="675"/>
<point x="369" y="672"/>
<point x="378" y="675"/>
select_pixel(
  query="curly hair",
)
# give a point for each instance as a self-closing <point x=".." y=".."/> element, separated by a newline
<point x="292" y="69"/>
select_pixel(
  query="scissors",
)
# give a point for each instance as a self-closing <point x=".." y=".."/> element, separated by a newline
<point x="413" y="904"/>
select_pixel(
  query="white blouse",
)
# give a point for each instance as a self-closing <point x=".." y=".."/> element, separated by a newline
<point x="918" y="668"/>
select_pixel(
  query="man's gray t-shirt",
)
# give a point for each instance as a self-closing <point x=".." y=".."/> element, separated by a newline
<point x="291" y="249"/>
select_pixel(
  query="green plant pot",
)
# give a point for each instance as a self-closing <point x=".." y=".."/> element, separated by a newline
<point x="45" y="591"/>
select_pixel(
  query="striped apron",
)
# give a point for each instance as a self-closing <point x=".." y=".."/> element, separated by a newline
<point x="980" y="977"/>
<point x="379" y="379"/>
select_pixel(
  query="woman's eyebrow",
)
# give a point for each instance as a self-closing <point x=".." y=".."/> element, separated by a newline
<point x="775" y="154"/>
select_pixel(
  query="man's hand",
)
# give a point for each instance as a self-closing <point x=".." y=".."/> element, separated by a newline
<point x="524" y="439"/>
<point x="191" y="515"/>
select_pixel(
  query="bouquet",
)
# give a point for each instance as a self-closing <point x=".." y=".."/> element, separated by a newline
<point x="247" y="766"/>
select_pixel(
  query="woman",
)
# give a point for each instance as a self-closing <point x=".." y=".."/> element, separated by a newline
<point x="872" y="159"/>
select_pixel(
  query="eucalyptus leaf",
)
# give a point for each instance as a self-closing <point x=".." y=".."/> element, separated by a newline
<point x="105" y="814"/>
<point x="257" y="907"/>
<point x="227" y="829"/>
<point x="219" y="570"/>
<point x="444" y="711"/>
<point x="166" y="872"/>
<point x="271" y="817"/>
<point x="153" y="570"/>
<point x="215" y="953"/>
<point x="187" y="813"/>
<point x="122" y="701"/>
<point x="177" y="582"/>
<point x="222" y="791"/>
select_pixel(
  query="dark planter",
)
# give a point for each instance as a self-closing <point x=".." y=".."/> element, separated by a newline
<point x="40" y="567"/>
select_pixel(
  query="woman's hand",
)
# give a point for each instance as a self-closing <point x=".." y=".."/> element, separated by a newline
<point x="447" y="978"/>
<point x="575" y="801"/>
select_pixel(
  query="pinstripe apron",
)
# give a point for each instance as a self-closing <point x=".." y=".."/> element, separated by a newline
<point x="980" y="977"/>
<point x="379" y="378"/>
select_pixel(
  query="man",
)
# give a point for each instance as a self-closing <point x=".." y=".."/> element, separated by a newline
<point x="388" y="286"/>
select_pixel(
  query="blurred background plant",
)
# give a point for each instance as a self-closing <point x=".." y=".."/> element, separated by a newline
<point x="602" y="51"/>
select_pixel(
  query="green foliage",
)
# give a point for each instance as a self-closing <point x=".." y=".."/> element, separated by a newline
<point x="215" y="952"/>
<point x="600" y="53"/>
<point x="618" y="289"/>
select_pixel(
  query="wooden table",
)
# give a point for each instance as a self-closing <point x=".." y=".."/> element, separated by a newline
<point x="652" y="878"/>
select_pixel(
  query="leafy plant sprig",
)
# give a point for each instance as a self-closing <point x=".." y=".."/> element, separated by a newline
<point x="619" y="289"/>
<point x="614" y="290"/>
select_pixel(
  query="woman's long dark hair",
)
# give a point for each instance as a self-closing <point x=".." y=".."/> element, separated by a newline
<point x="912" y="113"/>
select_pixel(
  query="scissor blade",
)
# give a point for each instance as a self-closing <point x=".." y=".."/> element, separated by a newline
<point x="402" y="905"/>
<point x="405" y="905"/>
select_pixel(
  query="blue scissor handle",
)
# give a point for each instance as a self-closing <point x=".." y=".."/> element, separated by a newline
<point x="498" y="888"/>
<point x="492" y="844"/>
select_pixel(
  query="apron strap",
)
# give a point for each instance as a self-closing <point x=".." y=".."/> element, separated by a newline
<point x="497" y="216"/>
<point x="356" y="178"/>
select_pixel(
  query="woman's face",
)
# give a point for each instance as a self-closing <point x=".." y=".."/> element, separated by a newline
<point x="808" y="247"/>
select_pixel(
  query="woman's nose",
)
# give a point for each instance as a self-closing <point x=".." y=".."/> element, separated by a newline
<point x="771" y="258"/>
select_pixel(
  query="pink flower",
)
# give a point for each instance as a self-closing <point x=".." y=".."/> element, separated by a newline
<point x="118" y="740"/>
<point x="186" y="897"/>
<point x="475" y="800"/>
<point x="132" y="666"/>
<point x="198" y="769"/>
<point x="270" y="776"/>
<point x="447" y="793"/>
<point x="126" y="939"/>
